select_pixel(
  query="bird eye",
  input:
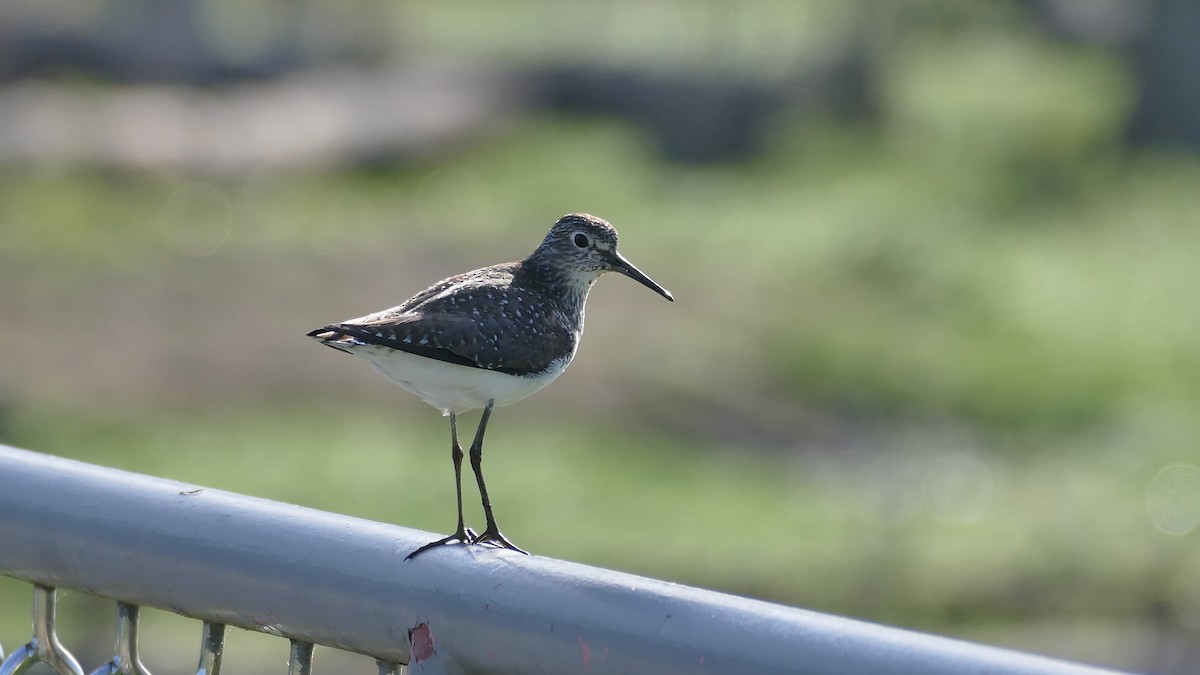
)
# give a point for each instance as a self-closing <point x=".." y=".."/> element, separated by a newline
<point x="581" y="240"/>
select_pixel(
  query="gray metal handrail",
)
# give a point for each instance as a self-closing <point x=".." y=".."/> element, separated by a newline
<point x="316" y="577"/>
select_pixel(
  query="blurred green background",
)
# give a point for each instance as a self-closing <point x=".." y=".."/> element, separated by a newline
<point x="932" y="361"/>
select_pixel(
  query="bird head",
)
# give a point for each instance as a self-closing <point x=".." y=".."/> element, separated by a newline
<point x="586" y="246"/>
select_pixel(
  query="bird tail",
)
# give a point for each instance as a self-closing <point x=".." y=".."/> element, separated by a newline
<point x="333" y="336"/>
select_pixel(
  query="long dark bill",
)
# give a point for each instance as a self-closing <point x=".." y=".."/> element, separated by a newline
<point x="620" y="264"/>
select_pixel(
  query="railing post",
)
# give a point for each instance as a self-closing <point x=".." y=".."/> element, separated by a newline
<point x="300" y="661"/>
<point x="212" y="647"/>
<point x="390" y="668"/>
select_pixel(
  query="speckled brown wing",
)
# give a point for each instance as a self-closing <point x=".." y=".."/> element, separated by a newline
<point x="477" y="319"/>
<point x="501" y="275"/>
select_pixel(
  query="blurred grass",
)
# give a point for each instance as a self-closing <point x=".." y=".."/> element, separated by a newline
<point x="760" y="39"/>
<point x="924" y="374"/>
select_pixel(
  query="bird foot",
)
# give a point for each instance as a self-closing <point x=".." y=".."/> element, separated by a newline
<point x="492" y="536"/>
<point x="464" y="535"/>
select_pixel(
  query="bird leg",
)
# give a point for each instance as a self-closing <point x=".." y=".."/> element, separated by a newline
<point x="492" y="533"/>
<point x="461" y="533"/>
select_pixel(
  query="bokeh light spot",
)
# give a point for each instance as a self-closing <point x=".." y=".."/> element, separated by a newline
<point x="1173" y="499"/>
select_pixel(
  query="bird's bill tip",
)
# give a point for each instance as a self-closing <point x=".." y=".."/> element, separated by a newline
<point x="620" y="264"/>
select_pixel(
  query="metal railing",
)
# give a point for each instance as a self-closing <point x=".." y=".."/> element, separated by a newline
<point x="320" y="578"/>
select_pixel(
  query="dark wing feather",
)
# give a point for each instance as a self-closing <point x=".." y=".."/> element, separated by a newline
<point x="469" y="320"/>
<point x="333" y="333"/>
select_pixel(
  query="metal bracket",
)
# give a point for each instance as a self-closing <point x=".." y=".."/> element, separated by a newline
<point x="44" y="647"/>
<point x="126" y="660"/>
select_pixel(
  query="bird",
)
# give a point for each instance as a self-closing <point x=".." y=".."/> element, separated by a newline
<point x="488" y="338"/>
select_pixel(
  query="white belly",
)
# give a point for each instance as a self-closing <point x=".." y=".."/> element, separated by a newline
<point x="452" y="388"/>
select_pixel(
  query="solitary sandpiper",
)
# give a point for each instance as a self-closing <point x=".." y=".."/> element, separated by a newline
<point x="489" y="337"/>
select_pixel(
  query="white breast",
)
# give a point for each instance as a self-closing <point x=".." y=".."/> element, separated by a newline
<point x="452" y="388"/>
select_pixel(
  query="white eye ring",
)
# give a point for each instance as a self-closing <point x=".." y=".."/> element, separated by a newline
<point x="580" y="240"/>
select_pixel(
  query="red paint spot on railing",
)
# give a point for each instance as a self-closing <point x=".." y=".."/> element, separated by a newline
<point x="586" y="651"/>
<point x="420" y="641"/>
